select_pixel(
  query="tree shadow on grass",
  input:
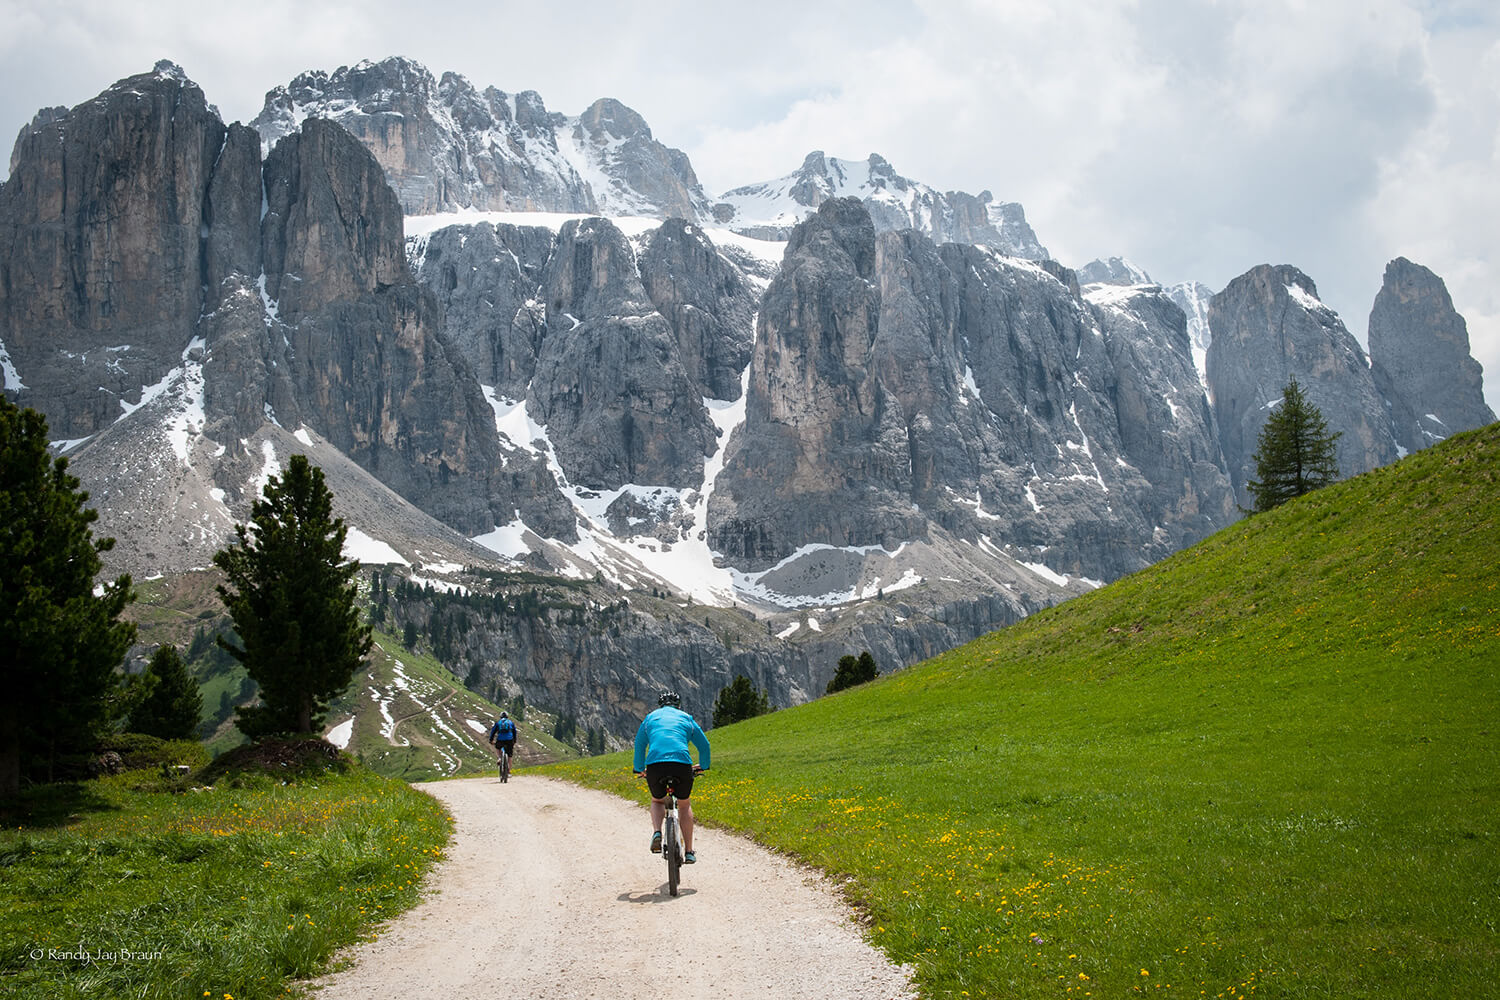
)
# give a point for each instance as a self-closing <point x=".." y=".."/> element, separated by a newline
<point x="43" y="807"/>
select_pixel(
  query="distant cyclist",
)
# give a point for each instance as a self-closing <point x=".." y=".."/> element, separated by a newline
<point x="503" y="737"/>
<point x="661" y="752"/>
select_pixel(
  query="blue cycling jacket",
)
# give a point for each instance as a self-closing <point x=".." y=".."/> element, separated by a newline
<point x="664" y="736"/>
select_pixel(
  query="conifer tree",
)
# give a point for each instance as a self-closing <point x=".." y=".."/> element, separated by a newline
<point x="174" y="703"/>
<point x="739" y="700"/>
<point x="853" y="670"/>
<point x="61" y="642"/>
<point x="294" y="603"/>
<point x="1295" y="454"/>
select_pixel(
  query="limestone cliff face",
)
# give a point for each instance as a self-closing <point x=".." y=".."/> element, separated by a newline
<point x="1269" y="326"/>
<point x="332" y="229"/>
<point x="487" y="278"/>
<point x="368" y="366"/>
<point x="609" y="348"/>
<point x="610" y="385"/>
<point x="821" y="424"/>
<point x="1167" y="426"/>
<point x="101" y="275"/>
<point x="898" y="388"/>
<point x="709" y="304"/>
<point x="138" y="259"/>
<point x="1419" y="354"/>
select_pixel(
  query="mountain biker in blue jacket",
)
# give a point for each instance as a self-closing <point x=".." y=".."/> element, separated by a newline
<point x="661" y="752"/>
<point x="503" y="736"/>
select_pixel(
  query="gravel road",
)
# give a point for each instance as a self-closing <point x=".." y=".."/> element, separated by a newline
<point x="548" y="890"/>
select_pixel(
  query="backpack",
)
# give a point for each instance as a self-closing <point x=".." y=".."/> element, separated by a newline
<point x="505" y="729"/>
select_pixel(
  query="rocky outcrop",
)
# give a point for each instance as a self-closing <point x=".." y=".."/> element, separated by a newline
<point x="1114" y="271"/>
<point x="709" y="303"/>
<point x="246" y="296"/>
<point x="898" y="389"/>
<point x="1192" y="297"/>
<point x="820" y="422"/>
<point x="612" y="351"/>
<point x="770" y="210"/>
<point x="488" y="280"/>
<point x="643" y="177"/>
<point x="1419" y="355"/>
<point x="610" y="385"/>
<point x="101" y="274"/>
<point x="1269" y="326"/>
<point x="1166" y="424"/>
<point x="445" y="145"/>
<point x="356" y="347"/>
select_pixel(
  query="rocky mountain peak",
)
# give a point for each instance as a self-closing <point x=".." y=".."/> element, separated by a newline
<point x="444" y="145"/>
<point x="771" y="209"/>
<point x="841" y="226"/>
<point x="531" y="111"/>
<point x="1269" y="326"/>
<point x="167" y="68"/>
<point x="1419" y="354"/>
<point x="1114" y="271"/>
<point x="815" y="162"/>
<point x="103" y="214"/>
<point x="608" y="119"/>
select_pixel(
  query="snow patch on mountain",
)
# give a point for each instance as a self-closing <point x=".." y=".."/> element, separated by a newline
<point x="13" y="381"/>
<point x="340" y="734"/>
<point x="419" y="229"/>
<point x="370" y="551"/>
<point x="1307" y="300"/>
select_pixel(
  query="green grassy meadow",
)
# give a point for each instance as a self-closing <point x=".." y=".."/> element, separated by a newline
<point x="115" y="888"/>
<point x="1268" y="766"/>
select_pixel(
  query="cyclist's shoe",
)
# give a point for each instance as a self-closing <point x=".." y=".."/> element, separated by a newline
<point x="656" y="842"/>
<point x="690" y="858"/>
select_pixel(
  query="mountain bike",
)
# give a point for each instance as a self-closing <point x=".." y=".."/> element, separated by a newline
<point x="504" y="765"/>
<point x="673" y="850"/>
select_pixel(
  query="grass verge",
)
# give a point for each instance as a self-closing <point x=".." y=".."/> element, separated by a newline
<point x="108" y="890"/>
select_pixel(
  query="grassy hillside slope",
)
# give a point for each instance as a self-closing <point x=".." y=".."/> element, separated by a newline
<point x="414" y="720"/>
<point x="1267" y="765"/>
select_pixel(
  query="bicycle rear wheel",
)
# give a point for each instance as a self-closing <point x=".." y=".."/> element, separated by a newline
<point x="669" y="851"/>
<point x="504" y="767"/>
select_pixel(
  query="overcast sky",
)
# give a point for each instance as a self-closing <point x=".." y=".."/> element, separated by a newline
<point x="1198" y="139"/>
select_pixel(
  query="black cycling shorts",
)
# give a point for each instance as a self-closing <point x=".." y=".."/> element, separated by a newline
<point x="681" y="775"/>
<point x="509" y="746"/>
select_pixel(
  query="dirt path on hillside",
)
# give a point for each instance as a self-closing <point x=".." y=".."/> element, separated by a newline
<point x="548" y="890"/>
